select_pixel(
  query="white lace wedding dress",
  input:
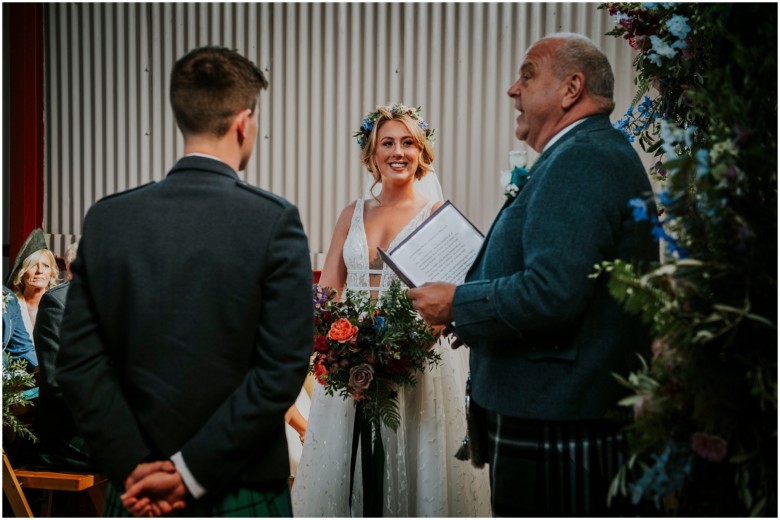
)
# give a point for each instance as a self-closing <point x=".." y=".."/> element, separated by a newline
<point x="422" y="476"/>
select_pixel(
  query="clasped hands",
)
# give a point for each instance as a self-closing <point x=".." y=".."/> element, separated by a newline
<point x="433" y="300"/>
<point x="154" y="489"/>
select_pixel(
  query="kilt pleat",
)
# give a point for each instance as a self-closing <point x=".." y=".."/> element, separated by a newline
<point x="553" y="468"/>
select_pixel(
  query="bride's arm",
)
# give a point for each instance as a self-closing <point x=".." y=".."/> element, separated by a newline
<point x="334" y="271"/>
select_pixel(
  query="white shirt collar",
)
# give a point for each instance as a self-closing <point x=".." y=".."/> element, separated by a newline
<point x="561" y="133"/>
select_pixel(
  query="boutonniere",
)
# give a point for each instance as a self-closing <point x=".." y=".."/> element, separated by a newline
<point x="515" y="181"/>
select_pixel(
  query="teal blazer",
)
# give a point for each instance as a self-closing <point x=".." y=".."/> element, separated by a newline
<point x="544" y="337"/>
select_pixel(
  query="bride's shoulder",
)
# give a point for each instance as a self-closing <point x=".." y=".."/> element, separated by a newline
<point x="346" y="214"/>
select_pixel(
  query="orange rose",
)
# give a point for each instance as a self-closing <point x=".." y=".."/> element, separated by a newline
<point x="342" y="330"/>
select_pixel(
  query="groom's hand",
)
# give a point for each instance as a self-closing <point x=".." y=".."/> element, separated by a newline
<point x="434" y="302"/>
<point x="154" y="489"/>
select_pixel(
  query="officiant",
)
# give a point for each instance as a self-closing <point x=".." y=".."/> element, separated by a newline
<point x="544" y="338"/>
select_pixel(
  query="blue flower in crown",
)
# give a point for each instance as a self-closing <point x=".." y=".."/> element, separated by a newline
<point x="370" y="119"/>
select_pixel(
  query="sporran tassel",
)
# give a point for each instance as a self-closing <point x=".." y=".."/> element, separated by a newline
<point x="470" y="450"/>
<point x="463" y="452"/>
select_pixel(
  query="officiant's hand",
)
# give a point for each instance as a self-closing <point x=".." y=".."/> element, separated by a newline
<point x="434" y="302"/>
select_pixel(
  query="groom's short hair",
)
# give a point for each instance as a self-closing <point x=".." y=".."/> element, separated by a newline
<point x="209" y="86"/>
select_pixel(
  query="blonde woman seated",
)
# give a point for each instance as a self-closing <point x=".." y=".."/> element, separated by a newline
<point x="33" y="273"/>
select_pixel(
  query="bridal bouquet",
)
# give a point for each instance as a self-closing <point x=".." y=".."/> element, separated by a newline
<point x="367" y="350"/>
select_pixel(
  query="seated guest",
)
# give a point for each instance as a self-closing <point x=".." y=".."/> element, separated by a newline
<point x="33" y="273"/>
<point x="61" y="444"/>
<point x="17" y="343"/>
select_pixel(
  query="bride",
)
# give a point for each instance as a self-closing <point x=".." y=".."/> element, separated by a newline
<point x="422" y="476"/>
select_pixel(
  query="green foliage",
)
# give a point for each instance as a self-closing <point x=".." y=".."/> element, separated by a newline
<point x="706" y="404"/>
<point x="15" y="380"/>
<point x="366" y="349"/>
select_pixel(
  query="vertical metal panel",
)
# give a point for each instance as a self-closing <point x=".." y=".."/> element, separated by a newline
<point x="109" y="126"/>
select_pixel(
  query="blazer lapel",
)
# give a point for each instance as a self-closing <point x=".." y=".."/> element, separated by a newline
<point x="588" y="124"/>
<point x="507" y="203"/>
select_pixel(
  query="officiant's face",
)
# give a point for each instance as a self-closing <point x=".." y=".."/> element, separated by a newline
<point x="397" y="153"/>
<point x="537" y="95"/>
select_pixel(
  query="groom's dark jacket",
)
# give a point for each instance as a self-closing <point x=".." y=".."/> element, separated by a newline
<point x="188" y="327"/>
<point x="545" y="337"/>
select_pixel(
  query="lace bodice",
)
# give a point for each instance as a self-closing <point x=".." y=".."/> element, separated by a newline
<point x="356" y="255"/>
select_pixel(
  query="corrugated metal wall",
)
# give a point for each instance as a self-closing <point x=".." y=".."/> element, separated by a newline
<point x="109" y="126"/>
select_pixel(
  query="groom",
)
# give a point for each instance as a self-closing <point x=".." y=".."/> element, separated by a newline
<point x="188" y="324"/>
<point x="545" y="338"/>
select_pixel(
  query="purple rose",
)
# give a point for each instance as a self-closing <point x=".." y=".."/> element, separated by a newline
<point x="360" y="377"/>
<point x="709" y="447"/>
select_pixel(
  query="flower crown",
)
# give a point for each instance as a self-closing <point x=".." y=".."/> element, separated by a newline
<point x="370" y="119"/>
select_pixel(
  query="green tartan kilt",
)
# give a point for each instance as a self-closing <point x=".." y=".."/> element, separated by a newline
<point x="239" y="502"/>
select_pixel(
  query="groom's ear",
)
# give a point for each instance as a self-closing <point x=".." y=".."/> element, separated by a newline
<point x="573" y="89"/>
<point x="240" y="123"/>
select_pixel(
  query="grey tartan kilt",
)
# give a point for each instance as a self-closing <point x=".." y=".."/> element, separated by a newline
<point x="237" y="503"/>
<point x="551" y="468"/>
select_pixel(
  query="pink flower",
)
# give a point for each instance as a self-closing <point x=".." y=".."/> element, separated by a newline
<point x="709" y="447"/>
<point x="640" y="408"/>
<point x="658" y="347"/>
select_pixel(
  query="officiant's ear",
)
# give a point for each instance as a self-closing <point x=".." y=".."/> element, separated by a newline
<point x="573" y="89"/>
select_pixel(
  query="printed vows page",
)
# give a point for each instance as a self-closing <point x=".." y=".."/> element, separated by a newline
<point x="441" y="249"/>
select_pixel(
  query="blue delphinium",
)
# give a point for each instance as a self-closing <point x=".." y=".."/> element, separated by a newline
<point x="640" y="214"/>
<point x="633" y="124"/>
<point x="380" y="323"/>
<point x="702" y="162"/>
<point x="640" y="209"/>
<point x="663" y="478"/>
<point x="678" y="26"/>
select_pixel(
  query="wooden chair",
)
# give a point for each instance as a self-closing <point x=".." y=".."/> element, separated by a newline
<point x="16" y="480"/>
<point x="13" y="491"/>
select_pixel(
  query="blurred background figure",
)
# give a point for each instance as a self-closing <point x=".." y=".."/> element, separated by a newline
<point x="61" y="445"/>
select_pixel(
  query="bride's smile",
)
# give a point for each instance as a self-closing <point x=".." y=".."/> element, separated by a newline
<point x="397" y="153"/>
